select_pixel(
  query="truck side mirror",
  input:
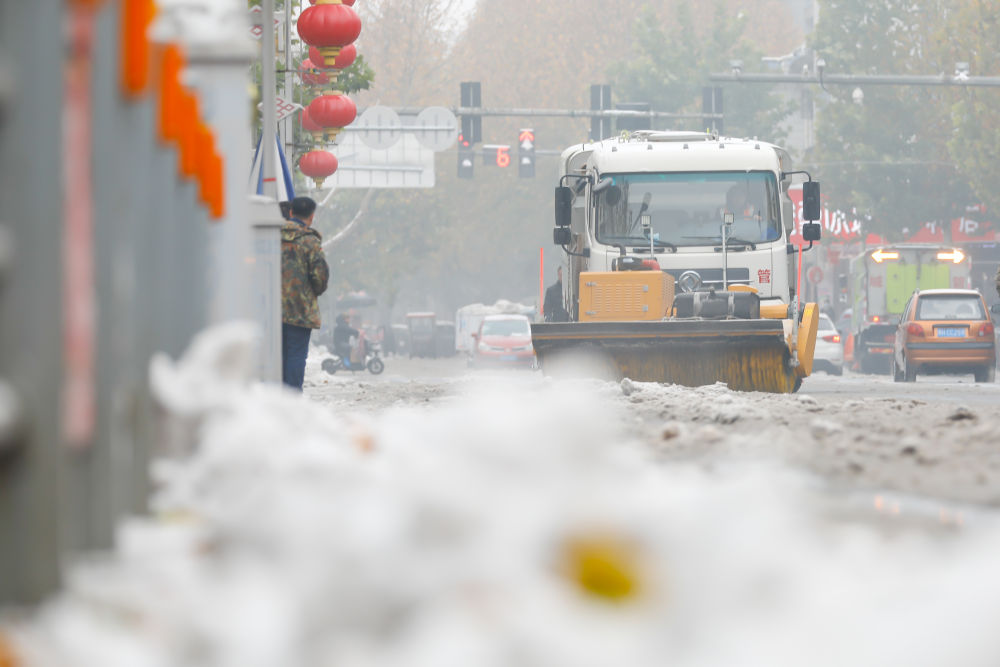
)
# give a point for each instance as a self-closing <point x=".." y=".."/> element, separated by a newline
<point x="995" y="309"/>
<point x="811" y="231"/>
<point x="564" y="206"/>
<point x="810" y="201"/>
<point x="561" y="236"/>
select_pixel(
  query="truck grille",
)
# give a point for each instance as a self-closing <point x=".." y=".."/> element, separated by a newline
<point x="714" y="276"/>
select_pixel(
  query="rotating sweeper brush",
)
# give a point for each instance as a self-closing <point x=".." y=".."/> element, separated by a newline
<point x="725" y="337"/>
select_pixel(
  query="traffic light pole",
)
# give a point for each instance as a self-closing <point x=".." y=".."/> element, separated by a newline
<point x="558" y="113"/>
<point x="861" y="79"/>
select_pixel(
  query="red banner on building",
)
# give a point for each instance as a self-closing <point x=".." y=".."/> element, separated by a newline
<point x="841" y="226"/>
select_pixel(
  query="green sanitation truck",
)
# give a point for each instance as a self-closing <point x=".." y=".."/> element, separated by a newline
<point x="881" y="282"/>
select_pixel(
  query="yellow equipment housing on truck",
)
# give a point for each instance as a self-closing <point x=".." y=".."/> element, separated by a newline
<point x="677" y="262"/>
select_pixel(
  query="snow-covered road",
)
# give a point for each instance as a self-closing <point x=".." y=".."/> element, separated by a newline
<point x="939" y="437"/>
<point x="435" y="517"/>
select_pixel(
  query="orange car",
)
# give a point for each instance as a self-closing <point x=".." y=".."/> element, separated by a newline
<point x="944" y="331"/>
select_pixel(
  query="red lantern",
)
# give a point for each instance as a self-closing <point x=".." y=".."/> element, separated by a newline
<point x="333" y="112"/>
<point x="318" y="165"/>
<point x="311" y="75"/>
<point x="329" y="27"/>
<point x="311" y="126"/>
<point x="349" y="3"/>
<point x="346" y="57"/>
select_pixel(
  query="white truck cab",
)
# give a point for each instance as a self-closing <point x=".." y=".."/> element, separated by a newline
<point x="669" y="196"/>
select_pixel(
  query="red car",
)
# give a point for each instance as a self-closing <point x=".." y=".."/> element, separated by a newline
<point x="503" y="340"/>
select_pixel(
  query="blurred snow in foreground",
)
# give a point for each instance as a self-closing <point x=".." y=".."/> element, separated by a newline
<point x="507" y="527"/>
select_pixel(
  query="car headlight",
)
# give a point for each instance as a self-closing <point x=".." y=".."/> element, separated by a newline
<point x="522" y="348"/>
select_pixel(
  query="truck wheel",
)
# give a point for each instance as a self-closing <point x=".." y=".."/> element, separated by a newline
<point x="986" y="374"/>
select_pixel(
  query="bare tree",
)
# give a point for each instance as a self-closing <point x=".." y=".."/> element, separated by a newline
<point x="408" y="43"/>
<point x="362" y="210"/>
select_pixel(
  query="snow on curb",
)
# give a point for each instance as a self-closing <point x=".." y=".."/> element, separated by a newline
<point x="509" y="526"/>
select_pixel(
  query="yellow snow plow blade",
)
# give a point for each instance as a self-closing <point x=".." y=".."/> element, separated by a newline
<point x="806" y="343"/>
<point x="746" y="354"/>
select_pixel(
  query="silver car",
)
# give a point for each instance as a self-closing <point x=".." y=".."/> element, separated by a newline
<point x="829" y="354"/>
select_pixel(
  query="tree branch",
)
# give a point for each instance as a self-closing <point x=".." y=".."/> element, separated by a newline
<point x="362" y="209"/>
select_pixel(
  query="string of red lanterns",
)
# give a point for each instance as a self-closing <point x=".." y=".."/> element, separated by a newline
<point x="329" y="27"/>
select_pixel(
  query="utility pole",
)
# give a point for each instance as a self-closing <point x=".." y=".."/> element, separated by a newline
<point x="286" y="125"/>
<point x="269" y="142"/>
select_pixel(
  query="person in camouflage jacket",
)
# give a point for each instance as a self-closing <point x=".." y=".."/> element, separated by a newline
<point x="304" y="276"/>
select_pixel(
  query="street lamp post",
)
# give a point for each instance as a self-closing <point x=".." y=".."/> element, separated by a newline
<point x="268" y="84"/>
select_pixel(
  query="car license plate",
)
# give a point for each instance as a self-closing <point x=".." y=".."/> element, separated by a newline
<point x="508" y="357"/>
<point x="951" y="333"/>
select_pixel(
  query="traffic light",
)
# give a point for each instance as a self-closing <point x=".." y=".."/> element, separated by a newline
<point x="526" y="153"/>
<point x="465" y="155"/>
<point x="471" y="97"/>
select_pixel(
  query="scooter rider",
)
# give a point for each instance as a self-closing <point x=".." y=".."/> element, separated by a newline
<point x="342" y="334"/>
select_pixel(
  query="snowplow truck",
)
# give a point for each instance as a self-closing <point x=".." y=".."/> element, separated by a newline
<point x="881" y="282"/>
<point x="677" y="263"/>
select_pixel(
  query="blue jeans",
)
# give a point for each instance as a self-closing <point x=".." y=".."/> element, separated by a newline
<point x="294" y="350"/>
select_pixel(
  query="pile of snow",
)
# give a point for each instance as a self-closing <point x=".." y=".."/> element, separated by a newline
<point x="511" y="526"/>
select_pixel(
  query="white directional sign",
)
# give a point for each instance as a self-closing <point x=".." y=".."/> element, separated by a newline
<point x="405" y="164"/>
<point x="379" y="127"/>
<point x="436" y="128"/>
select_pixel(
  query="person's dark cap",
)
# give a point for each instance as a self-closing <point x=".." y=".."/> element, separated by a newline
<point x="286" y="209"/>
<point x="303" y="207"/>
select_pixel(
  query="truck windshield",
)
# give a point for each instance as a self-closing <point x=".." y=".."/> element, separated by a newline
<point x="688" y="209"/>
